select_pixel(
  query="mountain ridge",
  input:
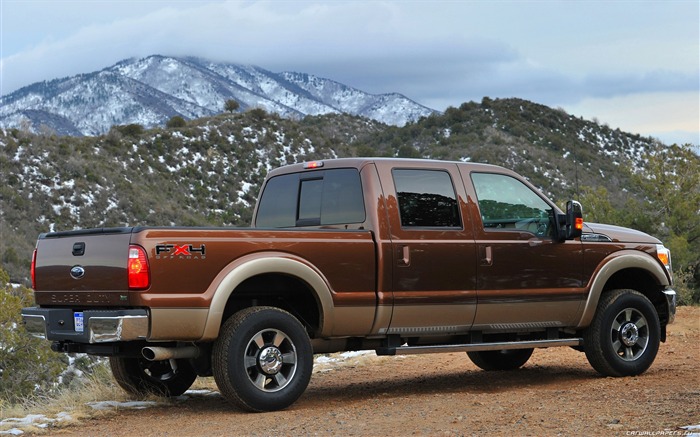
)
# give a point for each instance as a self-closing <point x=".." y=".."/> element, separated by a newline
<point x="151" y="90"/>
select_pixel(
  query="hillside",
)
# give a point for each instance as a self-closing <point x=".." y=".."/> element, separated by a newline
<point x="209" y="172"/>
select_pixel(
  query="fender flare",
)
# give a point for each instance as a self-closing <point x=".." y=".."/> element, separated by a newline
<point x="624" y="259"/>
<point x="265" y="263"/>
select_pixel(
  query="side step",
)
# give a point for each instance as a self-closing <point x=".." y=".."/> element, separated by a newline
<point x="477" y="347"/>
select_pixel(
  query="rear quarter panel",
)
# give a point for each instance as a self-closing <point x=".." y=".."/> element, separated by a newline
<point x="187" y="278"/>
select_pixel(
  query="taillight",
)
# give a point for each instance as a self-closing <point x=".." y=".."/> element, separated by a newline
<point x="139" y="276"/>
<point x="33" y="270"/>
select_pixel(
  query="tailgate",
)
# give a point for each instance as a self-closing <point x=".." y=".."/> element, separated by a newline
<point x="84" y="268"/>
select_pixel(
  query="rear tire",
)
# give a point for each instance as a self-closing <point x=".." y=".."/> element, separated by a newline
<point x="262" y="360"/>
<point x="141" y="377"/>
<point x="500" y="360"/>
<point x="624" y="336"/>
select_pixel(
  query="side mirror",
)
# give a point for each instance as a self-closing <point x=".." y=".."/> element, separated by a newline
<point x="569" y="225"/>
<point x="574" y="220"/>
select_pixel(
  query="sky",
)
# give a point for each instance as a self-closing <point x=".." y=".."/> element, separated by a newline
<point x="633" y="65"/>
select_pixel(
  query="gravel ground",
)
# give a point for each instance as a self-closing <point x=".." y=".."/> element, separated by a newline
<point x="555" y="393"/>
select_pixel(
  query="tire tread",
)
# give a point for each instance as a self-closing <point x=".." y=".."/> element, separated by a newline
<point x="221" y="357"/>
<point x="593" y="338"/>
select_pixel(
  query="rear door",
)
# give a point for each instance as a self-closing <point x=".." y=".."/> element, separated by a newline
<point x="434" y="257"/>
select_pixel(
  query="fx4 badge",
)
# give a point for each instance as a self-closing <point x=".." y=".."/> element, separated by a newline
<point x="185" y="251"/>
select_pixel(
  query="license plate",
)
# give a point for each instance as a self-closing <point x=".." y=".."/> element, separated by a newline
<point x="78" y="322"/>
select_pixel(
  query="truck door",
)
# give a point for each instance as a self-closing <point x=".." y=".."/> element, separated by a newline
<point x="434" y="256"/>
<point x="526" y="278"/>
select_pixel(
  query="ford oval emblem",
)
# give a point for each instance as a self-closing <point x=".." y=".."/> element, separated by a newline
<point x="77" y="272"/>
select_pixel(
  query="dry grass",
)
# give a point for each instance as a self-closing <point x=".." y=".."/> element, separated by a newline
<point x="204" y="383"/>
<point x="67" y="407"/>
<point x="71" y="405"/>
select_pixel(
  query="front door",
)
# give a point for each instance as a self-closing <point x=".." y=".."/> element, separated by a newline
<point x="526" y="278"/>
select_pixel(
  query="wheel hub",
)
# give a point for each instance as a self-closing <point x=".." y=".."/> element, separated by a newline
<point x="629" y="334"/>
<point x="270" y="360"/>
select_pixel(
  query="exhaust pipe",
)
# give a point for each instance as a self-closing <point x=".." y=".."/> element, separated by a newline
<point x="155" y="353"/>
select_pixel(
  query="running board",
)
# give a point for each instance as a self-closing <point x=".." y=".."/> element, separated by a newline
<point x="478" y="347"/>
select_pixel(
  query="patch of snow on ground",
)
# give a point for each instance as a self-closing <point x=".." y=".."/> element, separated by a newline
<point x="322" y="362"/>
<point x="353" y="354"/>
<point x="196" y="393"/>
<point x="112" y="405"/>
<point x="36" y="420"/>
<point x="693" y="430"/>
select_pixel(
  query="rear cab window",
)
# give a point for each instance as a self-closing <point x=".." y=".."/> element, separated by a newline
<point x="317" y="198"/>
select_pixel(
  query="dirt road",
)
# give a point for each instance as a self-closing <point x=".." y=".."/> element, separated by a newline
<point x="555" y="393"/>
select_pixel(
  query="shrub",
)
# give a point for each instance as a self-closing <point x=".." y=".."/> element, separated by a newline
<point x="231" y="105"/>
<point x="683" y="283"/>
<point x="131" y="130"/>
<point x="258" y="114"/>
<point x="27" y="365"/>
<point x="175" y="122"/>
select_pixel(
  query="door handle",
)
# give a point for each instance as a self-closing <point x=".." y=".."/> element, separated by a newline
<point x="486" y="256"/>
<point x="404" y="256"/>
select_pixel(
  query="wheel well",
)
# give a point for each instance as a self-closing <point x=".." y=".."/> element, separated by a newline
<point x="278" y="290"/>
<point x="644" y="282"/>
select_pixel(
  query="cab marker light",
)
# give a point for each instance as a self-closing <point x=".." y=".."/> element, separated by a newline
<point x="313" y="164"/>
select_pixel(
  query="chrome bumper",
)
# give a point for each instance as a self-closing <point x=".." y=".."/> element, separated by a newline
<point x="89" y="326"/>
<point x="671" y="304"/>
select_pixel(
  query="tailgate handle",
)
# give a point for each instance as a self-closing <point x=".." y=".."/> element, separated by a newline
<point x="78" y="249"/>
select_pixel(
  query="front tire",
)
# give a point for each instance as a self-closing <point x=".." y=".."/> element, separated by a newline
<point x="141" y="377"/>
<point x="263" y="359"/>
<point x="624" y="336"/>
<point x="500" y="360"/>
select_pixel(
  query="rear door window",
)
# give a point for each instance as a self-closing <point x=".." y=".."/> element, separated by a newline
<point x="318" y="198"/>
<point x="426" y="198"/>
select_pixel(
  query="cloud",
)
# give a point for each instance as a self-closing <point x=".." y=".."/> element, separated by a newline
<point x="367" y="47"/>
<point x="417" y="49"/>
<point x="438" y="53"/>
<point x="677" y="113"/>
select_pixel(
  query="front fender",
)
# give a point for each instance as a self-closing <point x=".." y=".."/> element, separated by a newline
<point x="624" y="259"/>
<point x="263" y="263"/>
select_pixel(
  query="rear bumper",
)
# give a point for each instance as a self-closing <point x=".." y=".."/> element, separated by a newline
<point x="89" y="326"/>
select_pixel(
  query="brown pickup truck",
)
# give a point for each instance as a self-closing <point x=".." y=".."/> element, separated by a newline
<point x="399" y="256"/>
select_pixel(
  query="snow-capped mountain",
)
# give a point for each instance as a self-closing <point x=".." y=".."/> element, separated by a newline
<point x="149" y="91"/>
